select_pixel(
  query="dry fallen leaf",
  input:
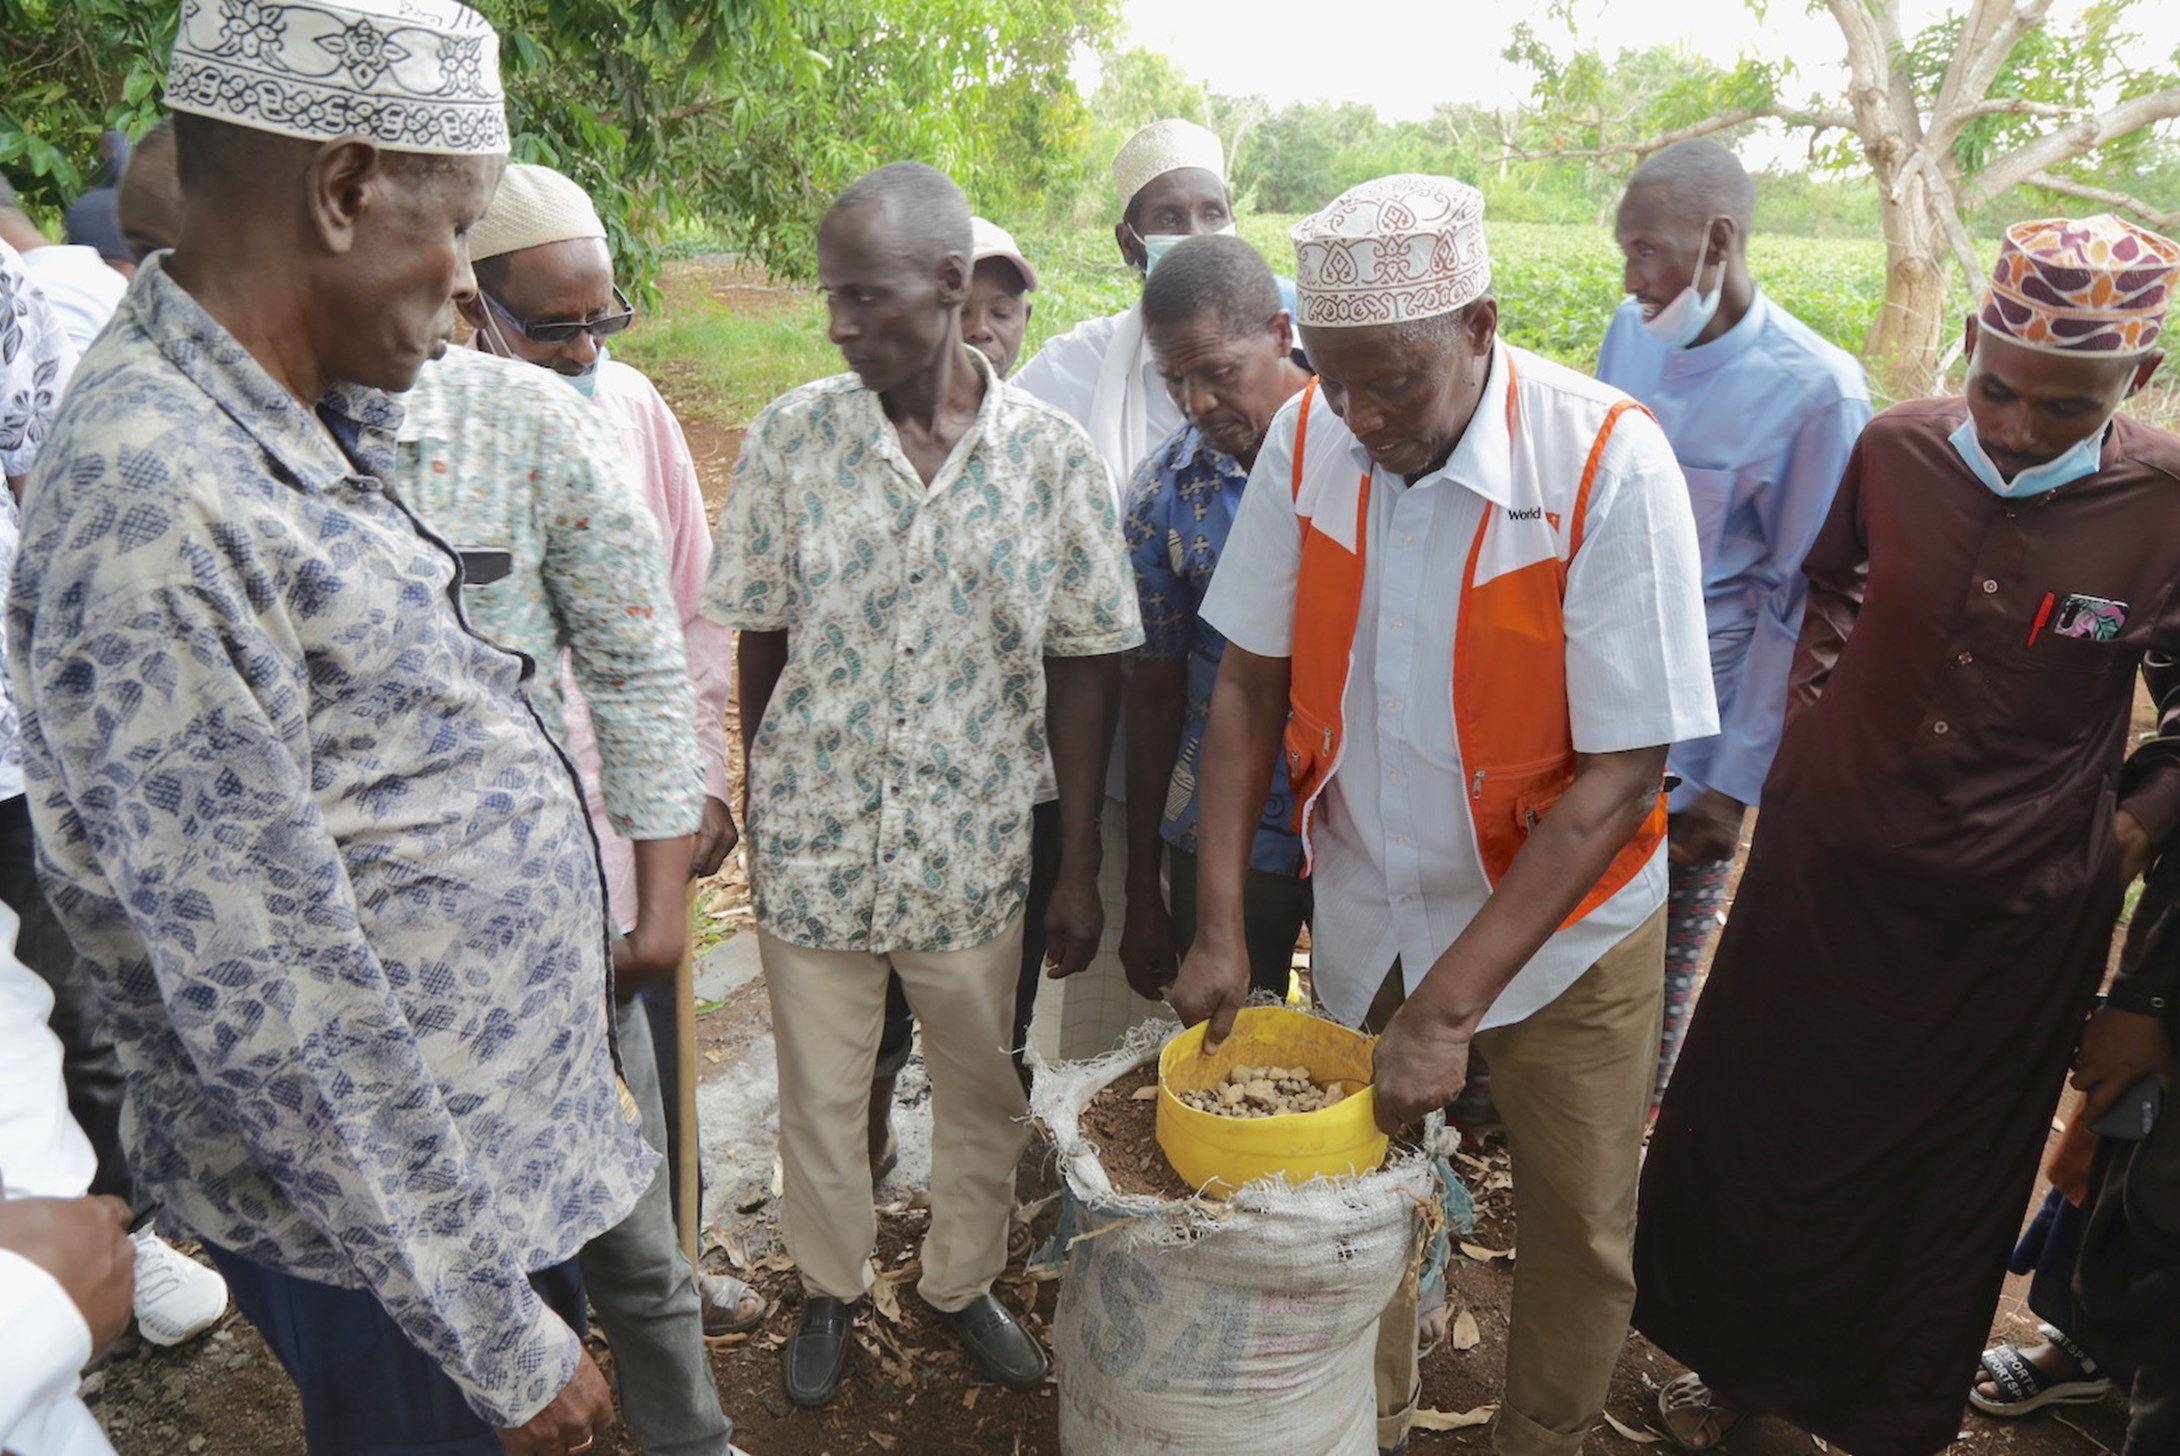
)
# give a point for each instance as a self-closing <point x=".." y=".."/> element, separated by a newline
<point x="1464" y="1334"/>
<point x="1145" y="1094"/>
<point x="968" y="1397"/>
<point x="1640" y="1438"/>
<point x="1483" y="1255"/>
<point x="715" y="1055"/>
<point x="1427" y="1419"/>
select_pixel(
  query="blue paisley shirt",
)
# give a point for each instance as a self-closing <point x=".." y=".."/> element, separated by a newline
<point x="1180" y="507"/>
<point x="335" y="881"/>
<point x="891" y="778"/>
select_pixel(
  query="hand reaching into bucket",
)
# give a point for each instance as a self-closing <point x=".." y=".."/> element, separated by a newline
<point x="1420" y="1064"/>
<point x="1213" y="984"/>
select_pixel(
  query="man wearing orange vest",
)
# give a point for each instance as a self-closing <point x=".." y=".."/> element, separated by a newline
<point x="1465" y="582"/>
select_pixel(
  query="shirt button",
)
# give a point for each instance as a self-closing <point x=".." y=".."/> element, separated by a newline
<point x="1400" y="839"/>
<point x="1392" y="773"/>
<point x="900" y="722"/>
<point x="1399" y="622"/>
<point x="1989" y="585"/>
<point x="1941" y="726"/>
<point x="1965" y="658"/>
<point x="1392" y="704"/>
<point x="914" y="577"/>
<point x="1407" y="538"/>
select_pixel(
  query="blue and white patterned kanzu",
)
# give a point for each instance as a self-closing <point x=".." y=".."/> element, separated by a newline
<point x="336" y="882"/>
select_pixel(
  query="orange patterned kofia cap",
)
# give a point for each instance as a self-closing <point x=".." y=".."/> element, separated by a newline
<point x="2094" y="285"/>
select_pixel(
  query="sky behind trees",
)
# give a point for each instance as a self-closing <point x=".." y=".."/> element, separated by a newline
<point x="1406" y="56"/>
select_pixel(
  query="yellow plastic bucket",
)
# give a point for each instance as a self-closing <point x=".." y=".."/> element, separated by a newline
<point x="1219" y="1154"/>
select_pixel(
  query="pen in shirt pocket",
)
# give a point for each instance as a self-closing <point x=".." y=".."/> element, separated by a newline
<point x="2043" y="615"/>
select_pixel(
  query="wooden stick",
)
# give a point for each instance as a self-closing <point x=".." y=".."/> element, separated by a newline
<point x="689" y="1155"/>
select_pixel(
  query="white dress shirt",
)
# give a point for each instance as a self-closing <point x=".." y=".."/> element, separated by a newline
<point x="1396" y="867"/>
<point x="81" y="287"/>
<point x="43" y="1154"/>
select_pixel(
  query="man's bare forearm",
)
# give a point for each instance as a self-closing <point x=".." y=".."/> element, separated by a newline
<point x="759" y="659"/>
<point x="1233" y="776"/>
<point x="1606" y="803"/>
<point x="1157" y="705"/>
<point x="1082" y="703"/>
<point x="654" y="947"/>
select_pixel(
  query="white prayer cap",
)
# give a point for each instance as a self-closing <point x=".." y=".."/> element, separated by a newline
<point x="1405" y="247"/>
<point x="534" y="206"/>
<point x="412" y="75"/>
<point x="1162" y="147"/>
<point x="990" y="240"/>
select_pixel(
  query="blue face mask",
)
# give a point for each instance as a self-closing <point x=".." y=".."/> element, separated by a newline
<point x="1691" y="311"/>
<point x="2085" y="457"/>
<point x="1157" y="245"/>
<point x="586" y="383"/>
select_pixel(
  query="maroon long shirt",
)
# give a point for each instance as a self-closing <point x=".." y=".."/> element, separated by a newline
<point x="1853" y="1130"/>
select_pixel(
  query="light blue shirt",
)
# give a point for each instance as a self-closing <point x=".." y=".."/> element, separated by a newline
<point x="1761" y="419"/>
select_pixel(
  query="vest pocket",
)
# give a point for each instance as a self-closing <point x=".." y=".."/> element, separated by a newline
<point x="1531" y="790"/>
<point x="1309" y="750"/>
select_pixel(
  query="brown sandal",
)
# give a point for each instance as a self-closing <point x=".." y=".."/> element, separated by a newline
<point x="1686" y="1394"/>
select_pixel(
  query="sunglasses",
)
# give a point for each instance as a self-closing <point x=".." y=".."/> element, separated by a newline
<point x="565" y="331"/>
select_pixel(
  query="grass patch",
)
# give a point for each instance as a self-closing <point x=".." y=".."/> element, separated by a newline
<point x="1557" y="285"/>
<point x="732" y="361"/>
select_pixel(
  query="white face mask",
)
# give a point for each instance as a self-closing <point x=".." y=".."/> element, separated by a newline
<point x="2083" y="457"/>
<point x="1157" y="245"/>
<point x="1677" y="324"/>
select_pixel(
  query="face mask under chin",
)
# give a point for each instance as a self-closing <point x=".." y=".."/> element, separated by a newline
<point x="1677" y="324"/>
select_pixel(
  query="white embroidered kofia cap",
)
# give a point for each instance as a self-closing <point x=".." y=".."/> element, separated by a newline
<point x="1405" y="247"/>
<point x="534" y="206"/>
<point x="1162" y="147"/>
<point x="412" y="75"/>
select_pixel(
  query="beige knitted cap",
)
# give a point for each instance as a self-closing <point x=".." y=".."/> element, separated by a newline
<point x="534" y="206"/>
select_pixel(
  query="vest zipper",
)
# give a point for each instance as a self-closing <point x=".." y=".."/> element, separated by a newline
<point x="1328" y="740"/>
<point x="1476" y="784"/>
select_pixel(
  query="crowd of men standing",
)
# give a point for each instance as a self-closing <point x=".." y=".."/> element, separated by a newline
<point x="365" y="722"/>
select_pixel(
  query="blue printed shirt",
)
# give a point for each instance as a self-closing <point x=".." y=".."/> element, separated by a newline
<point x="334" y="881"/>
<point x="1180" y="507"/>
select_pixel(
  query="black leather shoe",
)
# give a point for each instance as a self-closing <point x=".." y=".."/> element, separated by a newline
<point x="816" y="1355"/>
<point x="1009" y="1354"/>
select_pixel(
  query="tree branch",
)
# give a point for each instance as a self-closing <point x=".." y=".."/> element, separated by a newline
<point x="2068" y="187"/>
<point x="1994" y="28"/>
<point x="2016" y="106"/>
<point x="2065" y="143"/>
<point x="1798" y="116"/>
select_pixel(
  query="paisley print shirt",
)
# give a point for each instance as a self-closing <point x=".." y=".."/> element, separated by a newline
<point x="891" y="778"/>
<point x="336" y="883"/>
<point x="501" y="457"/>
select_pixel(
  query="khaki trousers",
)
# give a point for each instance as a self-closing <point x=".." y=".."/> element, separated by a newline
<point x="828" y="1009"/>
<point x="1573" y="1087"/>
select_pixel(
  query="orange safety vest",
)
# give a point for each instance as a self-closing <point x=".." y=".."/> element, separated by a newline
<point x="1509" y="651"/>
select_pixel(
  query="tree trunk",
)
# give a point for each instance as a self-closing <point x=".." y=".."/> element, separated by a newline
<point x="1904" y="344"/>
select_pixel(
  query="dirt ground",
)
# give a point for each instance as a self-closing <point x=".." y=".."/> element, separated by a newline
<point x="910" y="1390"/>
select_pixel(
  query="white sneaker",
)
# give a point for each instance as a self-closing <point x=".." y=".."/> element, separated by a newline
<point x="177" y="1298"/>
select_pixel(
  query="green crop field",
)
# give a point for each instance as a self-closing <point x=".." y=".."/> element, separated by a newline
<point x="1557" y="288"/>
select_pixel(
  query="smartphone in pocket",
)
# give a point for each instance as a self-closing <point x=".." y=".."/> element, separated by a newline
<point x="2131" y="1118"/>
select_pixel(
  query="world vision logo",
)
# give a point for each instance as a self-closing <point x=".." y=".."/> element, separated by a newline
<point x="1534" y="513"/>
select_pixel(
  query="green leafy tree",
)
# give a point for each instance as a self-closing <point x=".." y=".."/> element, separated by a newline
<point x="69" y="70"/>
<point x="753" y="113"/>
<point x="1947" y="123"/>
